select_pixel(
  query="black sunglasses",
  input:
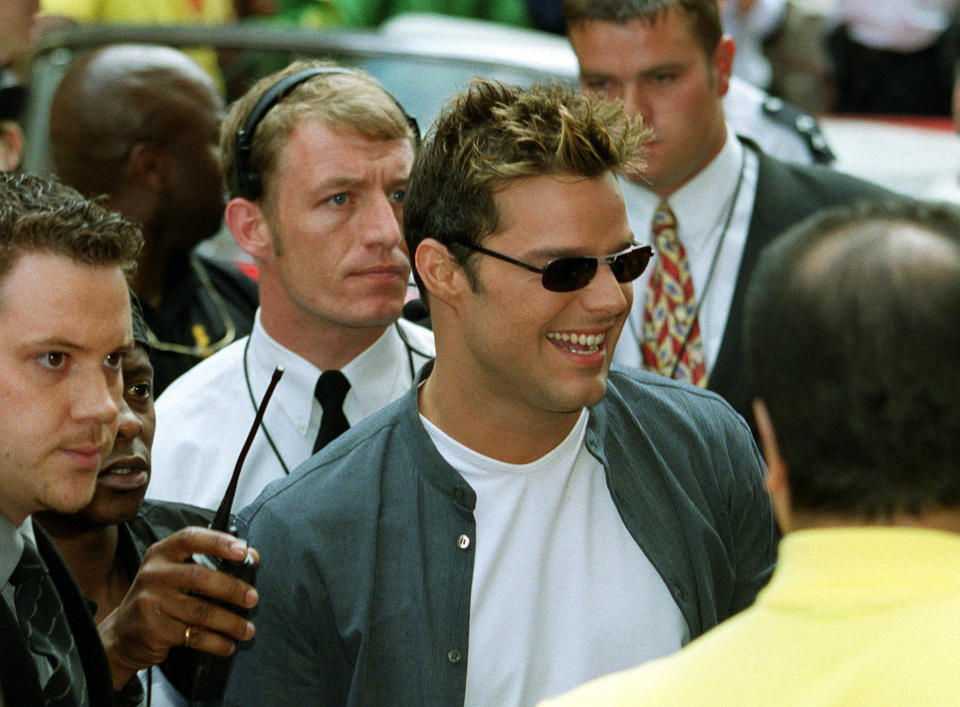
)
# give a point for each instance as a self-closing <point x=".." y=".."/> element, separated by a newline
<point x="573" y="273"/>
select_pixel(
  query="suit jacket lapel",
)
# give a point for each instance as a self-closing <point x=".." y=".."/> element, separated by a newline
<point x="99" y="680"/>
<point x="19" y="680"/>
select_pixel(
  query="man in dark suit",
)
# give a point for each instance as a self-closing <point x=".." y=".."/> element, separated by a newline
<point x="707" y="199"/>
<point x="49" y="460"/>
<point x="64" y="327"/>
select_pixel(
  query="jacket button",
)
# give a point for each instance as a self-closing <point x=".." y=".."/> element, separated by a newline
<point x="454" y="657"/>
<point x="463" y="542"/>
<point x="458" y="493"/>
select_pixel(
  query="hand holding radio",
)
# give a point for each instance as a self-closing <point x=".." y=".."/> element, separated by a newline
<point x="173" y="602"/>
<point x="191" y="594"/>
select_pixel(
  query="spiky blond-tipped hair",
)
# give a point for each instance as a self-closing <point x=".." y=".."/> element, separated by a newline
<point x="495" y="134"/>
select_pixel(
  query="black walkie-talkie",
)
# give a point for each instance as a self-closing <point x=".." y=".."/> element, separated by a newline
<point x="203" y="676"/>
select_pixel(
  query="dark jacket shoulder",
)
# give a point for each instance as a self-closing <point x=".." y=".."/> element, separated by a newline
<point x="158" y="519"/>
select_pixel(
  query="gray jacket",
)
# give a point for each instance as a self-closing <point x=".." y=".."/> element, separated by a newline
<point x="365" y="590"/>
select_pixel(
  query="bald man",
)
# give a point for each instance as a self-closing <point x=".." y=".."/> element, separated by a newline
<point x="140" y="125"/>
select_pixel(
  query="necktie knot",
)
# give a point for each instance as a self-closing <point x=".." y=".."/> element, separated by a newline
<point x="330" y="392"/>
<point x="665" y="228"/>
<point x="30" y="567"/>
<point x="331" y="389"/>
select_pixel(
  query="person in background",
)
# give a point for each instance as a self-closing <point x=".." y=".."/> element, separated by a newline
<point x="64" y="329"/>
<point x="525" y="517"/>
<point x="65" y="13"/>
<point x="707" y="198"/>
<point x="317" y="159"/>
<point x="12" y="97"/>
<point x="18" y="22"/>
<point x="750" y="23"/>
<point x="852" y="331"/>
<point x="893" y="57"/>
<point x="139" y="123"/>
<point x="132" y="559"/>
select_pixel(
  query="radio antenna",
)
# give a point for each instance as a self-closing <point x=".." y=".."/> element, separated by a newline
<point x="221" y="521"/>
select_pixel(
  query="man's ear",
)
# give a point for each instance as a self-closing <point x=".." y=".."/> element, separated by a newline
<point x="723" y="63"/>
<point x="11" y="145"/>
<point x="149" y="164"/>
<point x="777" y="480"/>
<point x="442" y="277"/>
<point x="249" y="227"/>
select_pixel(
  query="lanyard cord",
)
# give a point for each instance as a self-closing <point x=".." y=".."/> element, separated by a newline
<point x="713" y="264"/>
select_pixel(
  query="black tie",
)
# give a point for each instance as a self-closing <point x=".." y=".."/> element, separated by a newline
<point x="44" y="625"/>
<point x="331" y="390"/>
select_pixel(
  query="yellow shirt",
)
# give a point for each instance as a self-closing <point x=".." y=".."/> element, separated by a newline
<point x="141" y="12"/>
<point x="149" y="12"/>
<point x="851" y="616"/>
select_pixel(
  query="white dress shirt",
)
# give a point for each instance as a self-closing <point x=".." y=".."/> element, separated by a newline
<point x="204" y="416"/>
<point x="702" y="207"/>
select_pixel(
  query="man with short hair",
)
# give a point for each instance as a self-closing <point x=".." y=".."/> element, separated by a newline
<point x="64" y="329"/>
<point x="317" y="159"/>
<point x="708" y="199"/>
<point x="851" y="329"/>
<point x="133" y="561"/>
<point x="525" y="516"/>
<point x="139" y="123"/>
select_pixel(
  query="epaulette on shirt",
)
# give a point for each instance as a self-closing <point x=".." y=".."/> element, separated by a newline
<point x="803" y="124"/>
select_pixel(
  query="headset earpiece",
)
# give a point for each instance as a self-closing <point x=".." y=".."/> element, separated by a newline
<point x="248" y="183"/>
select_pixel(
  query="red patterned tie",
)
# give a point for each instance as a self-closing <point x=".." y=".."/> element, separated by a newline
<point x="671" y="342"/>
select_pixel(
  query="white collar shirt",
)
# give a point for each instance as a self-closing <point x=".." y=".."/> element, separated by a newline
<point x="204" y="416"/>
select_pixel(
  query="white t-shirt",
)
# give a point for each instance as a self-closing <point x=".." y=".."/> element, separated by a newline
<point x="561" y="592"/>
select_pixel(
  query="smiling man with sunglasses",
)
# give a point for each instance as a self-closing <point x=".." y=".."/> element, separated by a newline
<point x="526" y="517"/>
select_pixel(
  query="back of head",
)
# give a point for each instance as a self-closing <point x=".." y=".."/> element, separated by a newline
<point x="120" y="95"/>
<point x="703" y="15"/>
<point x="41" y="215"/>
<point x="853" y="335"/>
<point x="345" y="100"/>
<point x="494" y="134"/>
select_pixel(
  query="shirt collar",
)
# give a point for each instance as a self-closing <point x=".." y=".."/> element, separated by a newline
<point x="379" y="368"/>
<point x="853" y="567"/>
<point x="11" y="545"/>
<point x="702" y="204"/>
<point x="294" y="394"/>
